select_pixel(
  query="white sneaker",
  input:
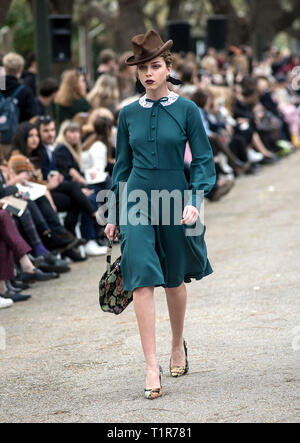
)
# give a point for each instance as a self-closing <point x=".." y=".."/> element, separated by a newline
<point x="5" y="303"/>
<point x="254" y="156"/>
<point x="92" y="249"/>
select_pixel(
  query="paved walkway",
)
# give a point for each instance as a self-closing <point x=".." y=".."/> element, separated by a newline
<point x="67" y="362"/>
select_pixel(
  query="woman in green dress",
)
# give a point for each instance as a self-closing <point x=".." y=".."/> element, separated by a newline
<point x="157" y="251"/>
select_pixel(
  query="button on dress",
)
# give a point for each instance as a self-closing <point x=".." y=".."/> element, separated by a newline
<point x="151" y="143"/>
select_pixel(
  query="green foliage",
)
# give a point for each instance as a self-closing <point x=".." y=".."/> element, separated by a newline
<point x="20" y="20"/>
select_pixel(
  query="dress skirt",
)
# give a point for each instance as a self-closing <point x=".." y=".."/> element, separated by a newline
<point x="155" y="249"/>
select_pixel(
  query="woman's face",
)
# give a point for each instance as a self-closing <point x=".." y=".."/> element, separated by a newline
<point x="73" y="137"/>
<point x="153" y="74"/>
<point x="33" y="140"/>
<point x="82" y="84"/>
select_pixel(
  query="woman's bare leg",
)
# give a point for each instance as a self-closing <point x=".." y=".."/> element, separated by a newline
<point x="26" y="264"/>
<point x="143" y="299"/>
<point x="3" y="287"/>
<point x="176" y="299"/>
<point x="258" y="144"/>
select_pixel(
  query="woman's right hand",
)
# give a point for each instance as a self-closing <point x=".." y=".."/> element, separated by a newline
<point x="87" y="192"/>
<point x="76" y="177"/>
<point x="22" y="177"/>
<point x="111" y="231"/>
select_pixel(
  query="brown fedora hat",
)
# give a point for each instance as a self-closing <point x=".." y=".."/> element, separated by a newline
<point x="146" y="47"/>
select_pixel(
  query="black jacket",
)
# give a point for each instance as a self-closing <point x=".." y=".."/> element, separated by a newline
<point x="40" y="108"/>
<point x="29" y="79"/>
<point x="26" y="102"/>
<point x="6" y="190"/>
<point x="267" y="101"/>
<point x="65" y="161"/>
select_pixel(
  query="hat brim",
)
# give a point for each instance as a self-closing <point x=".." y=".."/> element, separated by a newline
<point x="131" y="61"/>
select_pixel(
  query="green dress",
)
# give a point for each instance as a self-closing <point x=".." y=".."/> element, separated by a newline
<point x="151" y="143"/>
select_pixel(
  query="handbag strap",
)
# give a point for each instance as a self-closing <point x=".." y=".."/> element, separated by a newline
<point x="108" y="256"/>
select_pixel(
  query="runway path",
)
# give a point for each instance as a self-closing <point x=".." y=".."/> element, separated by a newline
<point x="66" y="361"/>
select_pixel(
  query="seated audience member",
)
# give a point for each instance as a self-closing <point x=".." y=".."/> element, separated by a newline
<point x="244" y="114"/>
<point x="95" y="155"/>
<point x="126" y="78"/>
<point x="13" y="247"/>
<point x="25" y="141"/>
<point x="220" y="144"/>
<point x="88" y="130"/>
<point x="67" y="196"/>
<point x="105" y="93"/>
<point x="287" y="108"/>
<point x="107" y="63"/>
<point x="67" y="157"/>
<point x="270" y="104"/>
<point x="33" y="227"/>
<point x="188" y="87"/>
<point x="46" y="238"/>
<point x="70" y="98"/>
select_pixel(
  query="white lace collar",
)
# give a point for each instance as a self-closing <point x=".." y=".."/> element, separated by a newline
<point x="172" y="97"/>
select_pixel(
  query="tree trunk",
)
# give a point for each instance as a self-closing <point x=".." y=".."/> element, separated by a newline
<point x="238" y="27"/>
<point x="130" y="22"/>
<point x="4" y="8"/>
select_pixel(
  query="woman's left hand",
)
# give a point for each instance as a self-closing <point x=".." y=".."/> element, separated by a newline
<point x="87" y="192"/>
<point x="53" y="181"/>
<point x="190" y="215"/>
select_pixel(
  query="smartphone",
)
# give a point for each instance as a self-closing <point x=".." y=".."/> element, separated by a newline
<point x="14" y="206"/>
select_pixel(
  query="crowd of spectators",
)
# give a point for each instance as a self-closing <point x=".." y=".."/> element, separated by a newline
<point x="64" y="138"/>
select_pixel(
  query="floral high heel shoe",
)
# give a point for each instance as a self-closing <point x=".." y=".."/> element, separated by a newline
<point x="178" y="371"/>
<point x="151" y="394"/>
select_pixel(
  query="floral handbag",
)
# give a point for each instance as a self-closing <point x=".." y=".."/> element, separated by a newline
<point x="112" y="297"/>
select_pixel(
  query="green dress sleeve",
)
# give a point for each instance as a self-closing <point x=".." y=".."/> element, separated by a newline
<point x="203" y="171"/>
<point x="122" y="167"/>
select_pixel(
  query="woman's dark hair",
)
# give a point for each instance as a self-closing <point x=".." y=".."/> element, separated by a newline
<point x="21" y="136"/>
<point x="200" y="98"/>
<point x="106" y="55"/>
<point x="248" y="91"/>
<point x="187" y="75"/>
<point x="30" y="59"/>
<point x="102" y="125"/>
<point x="48" y="87"/>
